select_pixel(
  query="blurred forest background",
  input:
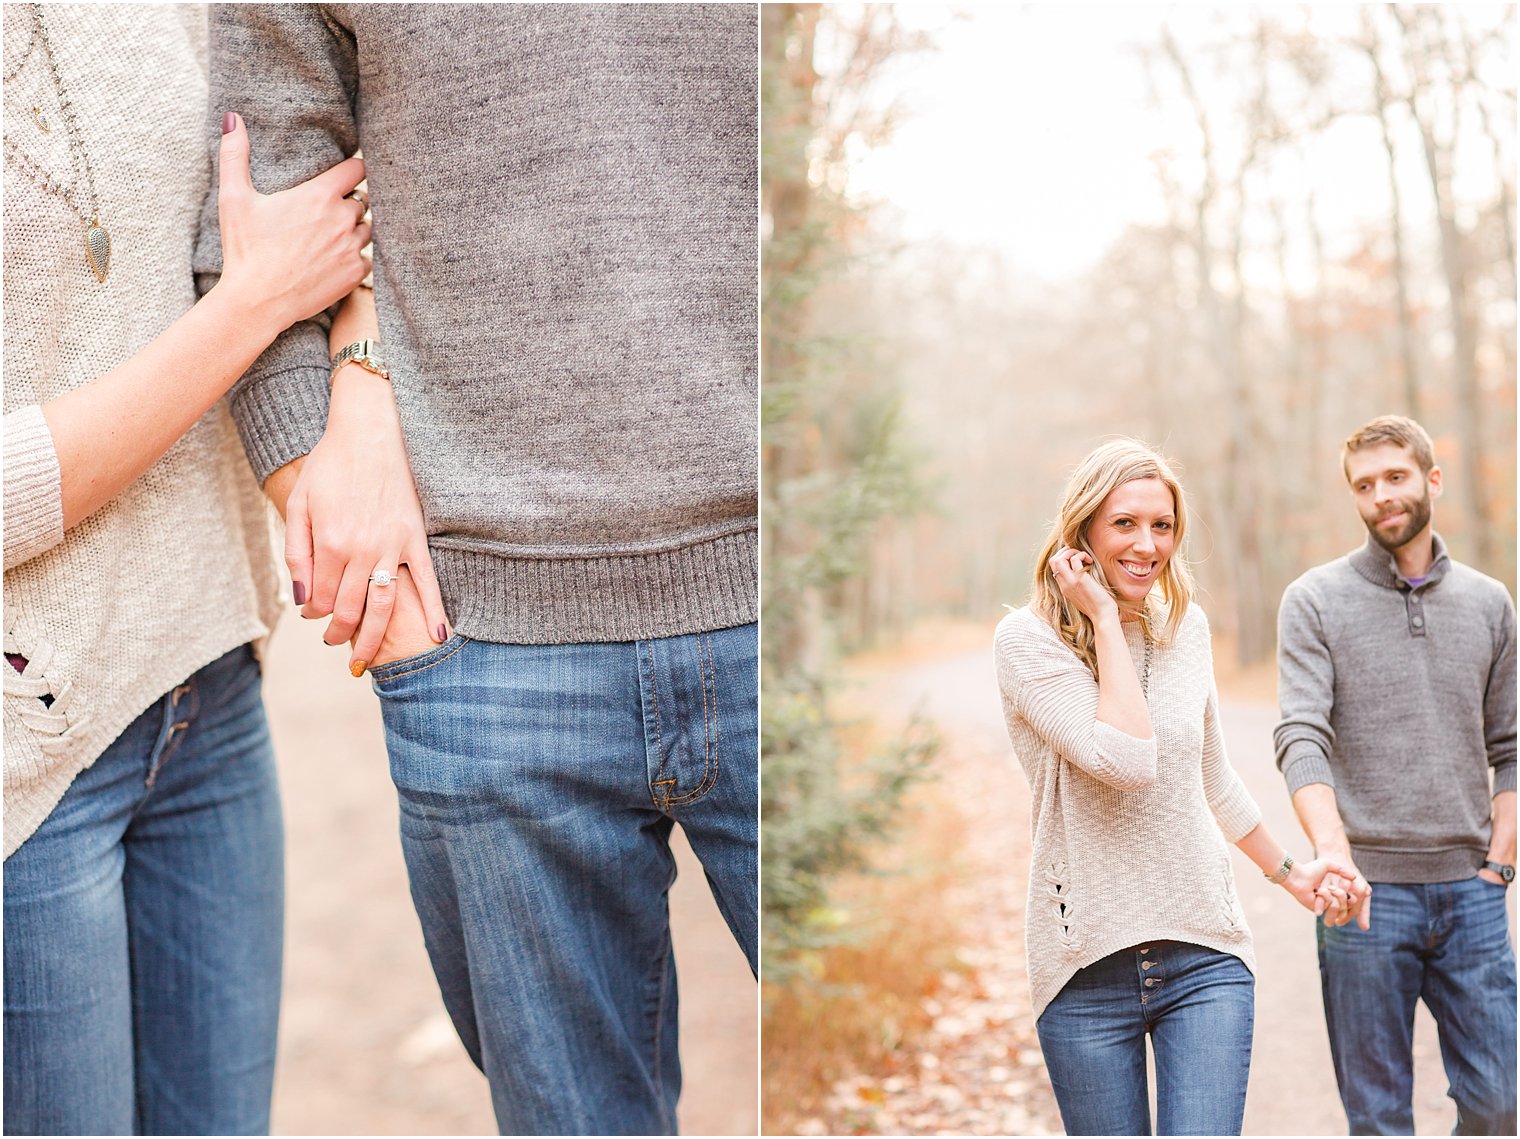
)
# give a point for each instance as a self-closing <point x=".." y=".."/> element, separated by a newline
<point x="993" y="237"/>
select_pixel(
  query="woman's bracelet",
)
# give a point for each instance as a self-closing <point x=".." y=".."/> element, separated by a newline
<point x="1280" y="875"/>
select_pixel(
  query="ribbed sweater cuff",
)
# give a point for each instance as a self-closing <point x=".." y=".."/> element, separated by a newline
<point x="281" y="416"/>
<point x="33" y="487"/>
<point x="1504" y="776"/>
<point x="1237" y="813"/>
<point x="548" y="601"/>
<point x="1305" y="764"/>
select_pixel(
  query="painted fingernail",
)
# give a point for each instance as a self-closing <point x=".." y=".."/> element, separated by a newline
<point x="443" y="634"/>
<point x="299" y="590"/>
<point x="229" y="123"/>
<point x="358" y="667"/>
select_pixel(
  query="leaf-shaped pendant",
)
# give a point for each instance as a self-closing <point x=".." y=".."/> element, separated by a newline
<point x="97" y="249"/>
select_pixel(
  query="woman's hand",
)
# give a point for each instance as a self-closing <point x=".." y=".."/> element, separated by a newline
<point x="1329" y="884"/>
<point x="1081" y="588"/>
<point x="289" y="255"/>
<point x="408" y="634"/>
<point x="353" y="511"/>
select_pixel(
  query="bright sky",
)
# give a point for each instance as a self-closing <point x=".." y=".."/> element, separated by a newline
<point x="1029" y="129"/>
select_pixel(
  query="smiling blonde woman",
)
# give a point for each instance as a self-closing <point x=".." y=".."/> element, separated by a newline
<point x="1133" y="924"/>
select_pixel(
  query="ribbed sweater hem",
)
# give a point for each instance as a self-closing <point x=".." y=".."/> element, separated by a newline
<point x="1239" y="945"/>
<point x="1454" y="864"/>
<point x="548" y="601"/>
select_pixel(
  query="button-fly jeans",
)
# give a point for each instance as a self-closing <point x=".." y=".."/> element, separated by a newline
<point x="143" y="926"/>
<point x="1447" y="944"/>
<point x="1197" y="1004"/>
<point x="538" y="788"/>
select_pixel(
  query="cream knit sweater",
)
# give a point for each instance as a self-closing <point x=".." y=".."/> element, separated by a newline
<point x="179" y="569"/>
<point x="1127" y="832"/>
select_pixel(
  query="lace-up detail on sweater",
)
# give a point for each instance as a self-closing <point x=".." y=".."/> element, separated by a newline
<point x="1063" y="907"/>
<point x="53" y="695"/>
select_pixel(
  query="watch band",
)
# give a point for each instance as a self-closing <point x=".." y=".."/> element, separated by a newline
<point x="1280" y="875"/>
<point x="1499" y="868"/>
<point x="365" y="353"/>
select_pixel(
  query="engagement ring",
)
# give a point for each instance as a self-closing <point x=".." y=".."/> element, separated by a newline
<point x="381" y="577"/>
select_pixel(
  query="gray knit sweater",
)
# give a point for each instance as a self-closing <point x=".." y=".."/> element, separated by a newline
<point x="1401" y="699"/>
<point x="1129" y="834"/>
<point x="565" y="273"/>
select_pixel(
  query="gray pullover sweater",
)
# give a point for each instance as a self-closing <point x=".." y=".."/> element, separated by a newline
<point x="565" y="273"/>
<point x="1401" y="698"/>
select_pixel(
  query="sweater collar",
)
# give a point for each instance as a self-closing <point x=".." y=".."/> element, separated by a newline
<point x="1377" y="565"/>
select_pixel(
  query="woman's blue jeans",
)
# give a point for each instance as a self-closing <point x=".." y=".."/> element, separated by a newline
<point x="1447" y="944"/>
<point x="1197" y="1004"/>
<point x="538" y="787"/>
<point x="143" y="928"/>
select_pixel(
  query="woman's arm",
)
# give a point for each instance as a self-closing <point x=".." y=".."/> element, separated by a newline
<point x="288" y="255"/>
<point x="1056" y="696"/>
<point x="351" y="507"/>
<point x="1121" y="700"/>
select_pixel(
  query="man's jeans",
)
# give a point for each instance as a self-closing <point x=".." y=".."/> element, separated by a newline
<point x="1448" y="944"/>
<point x="1198" y="1006"/>
<point x="538" y="788"/>
<point x="143" y="925"/>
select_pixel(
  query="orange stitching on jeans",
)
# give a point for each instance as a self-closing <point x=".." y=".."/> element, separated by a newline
<point x="708" y="669"/>
<point x="659" y="737"/>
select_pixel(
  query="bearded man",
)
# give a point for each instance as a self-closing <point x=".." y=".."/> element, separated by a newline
<point x="1396" y="673"/>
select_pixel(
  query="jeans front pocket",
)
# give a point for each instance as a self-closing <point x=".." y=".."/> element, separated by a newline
<point x="418" y="662"/>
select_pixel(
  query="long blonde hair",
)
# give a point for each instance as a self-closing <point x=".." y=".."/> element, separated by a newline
<point x="1112" y="464"/>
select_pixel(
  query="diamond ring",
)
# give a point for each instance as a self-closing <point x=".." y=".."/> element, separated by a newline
<point x="381" y="577"/>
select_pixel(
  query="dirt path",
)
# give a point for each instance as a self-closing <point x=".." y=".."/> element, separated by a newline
<point x="365" y="1046"/>
<point x="979" y="1071"/>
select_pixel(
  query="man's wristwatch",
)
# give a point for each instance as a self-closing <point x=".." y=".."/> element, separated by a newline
<point x="365" y="353"/>
<point x="1505" y="872"/>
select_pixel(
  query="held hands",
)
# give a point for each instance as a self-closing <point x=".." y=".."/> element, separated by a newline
<point x="1333" y="887"/>
<point x="1081" y="588"/>
<point x="289" y="255"/>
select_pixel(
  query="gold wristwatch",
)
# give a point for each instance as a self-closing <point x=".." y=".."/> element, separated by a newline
<point x="365" y="353"/>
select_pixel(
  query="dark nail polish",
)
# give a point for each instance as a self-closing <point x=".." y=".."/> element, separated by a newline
<point x="299" y="589"/>
<point x="229" y="123"/>
<point x="443" y="634"/>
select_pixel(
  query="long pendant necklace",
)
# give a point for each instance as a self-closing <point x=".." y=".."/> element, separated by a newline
<point x="97" y="240"/>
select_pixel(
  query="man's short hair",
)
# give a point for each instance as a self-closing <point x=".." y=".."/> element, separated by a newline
<point x="1396" y="429"/>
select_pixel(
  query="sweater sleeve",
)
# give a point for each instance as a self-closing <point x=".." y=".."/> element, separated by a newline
<point x="1499" y="703"/>
<point x="291" y="72"/>
<point x="1305" y="691"/>
<point x="33" y="487"/>
<point x="1234" y="808"/>
<point x="1058" y="697"/>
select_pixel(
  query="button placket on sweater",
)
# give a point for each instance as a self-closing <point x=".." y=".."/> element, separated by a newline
<point x="1414" y="611"/>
